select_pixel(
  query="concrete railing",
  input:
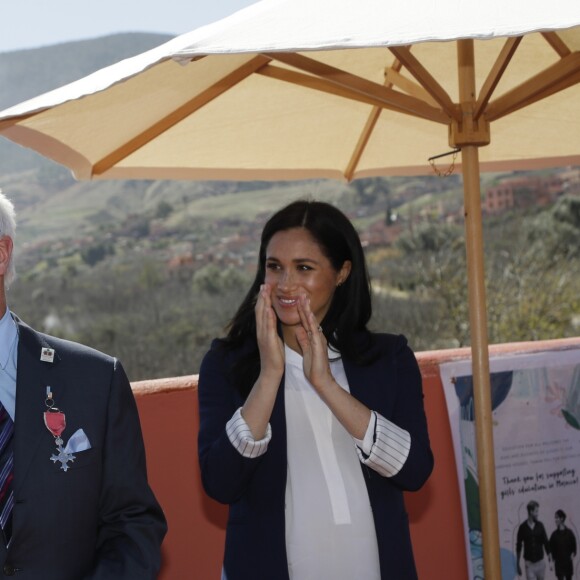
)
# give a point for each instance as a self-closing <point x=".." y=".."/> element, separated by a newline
<point x="194" y="544"/>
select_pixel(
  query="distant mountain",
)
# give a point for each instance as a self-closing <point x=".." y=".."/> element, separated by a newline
<point x="28" y="73"/>
<point x="25" y="74"/>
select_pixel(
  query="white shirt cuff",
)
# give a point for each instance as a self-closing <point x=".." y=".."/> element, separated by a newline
<point x="242" y="439"/>
<point x="389" y="449"/>
<point x="366" y="444"/>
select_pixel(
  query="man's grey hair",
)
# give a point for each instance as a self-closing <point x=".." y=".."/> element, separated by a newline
<point x="8" y="228"/>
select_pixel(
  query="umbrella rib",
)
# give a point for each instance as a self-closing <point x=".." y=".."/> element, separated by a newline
<point x="407" y="85"/>
<point x="560" y="86"/>
<point x="325" y="86"/>
<point x="388" y="98"/>
<point x="6" y="123"/>
<point x="390" y="73"/>
<point x="179" y="114"/>
<point x="425" y="79"/>
<point x="561" y="75"/>
<point x="317" y="84"/>
<point x="495" y="74"/>
<point x="366" y="133"/>
<point x="362" y="143"/>
<point x="557" y="43"/>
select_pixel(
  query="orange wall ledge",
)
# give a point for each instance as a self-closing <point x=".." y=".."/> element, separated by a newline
<point x="194" y="544"/>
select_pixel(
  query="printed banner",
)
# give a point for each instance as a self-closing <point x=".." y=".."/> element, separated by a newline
<point x="536" y="430"/>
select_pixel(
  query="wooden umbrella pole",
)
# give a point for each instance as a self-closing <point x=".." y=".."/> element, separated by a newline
<point x="480" y="364"/>
<point x="478" y="316"/>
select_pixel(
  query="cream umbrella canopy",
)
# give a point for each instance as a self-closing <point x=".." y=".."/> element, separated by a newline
<point x="322" y="88"/>
<point x="295" y="89"/>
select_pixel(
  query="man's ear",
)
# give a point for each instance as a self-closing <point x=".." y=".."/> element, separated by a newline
<point x="5" y="254"/>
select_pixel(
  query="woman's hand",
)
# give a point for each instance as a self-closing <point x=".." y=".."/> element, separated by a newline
<point x="269" y="343"/>
<point x="314" y="347"/>
<point x="353" y="415"/>
<point x="258" y="406"/>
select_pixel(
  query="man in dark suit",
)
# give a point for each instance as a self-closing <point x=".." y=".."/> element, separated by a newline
<point x="74" y="499"/>
<point x="563" y="547"/>
<point x="533" y="539"/>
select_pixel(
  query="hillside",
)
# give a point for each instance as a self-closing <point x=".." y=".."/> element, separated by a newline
<point x="135" y="267"/>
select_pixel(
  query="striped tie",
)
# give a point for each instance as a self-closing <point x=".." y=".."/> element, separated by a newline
<point x="6" y="473"/>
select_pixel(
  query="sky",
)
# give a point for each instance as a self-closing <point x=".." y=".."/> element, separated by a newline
<point x="35" y="23"/>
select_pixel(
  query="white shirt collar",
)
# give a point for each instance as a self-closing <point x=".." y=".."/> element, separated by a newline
<point x="8" y="334"/>
<point x="295" y="359"/>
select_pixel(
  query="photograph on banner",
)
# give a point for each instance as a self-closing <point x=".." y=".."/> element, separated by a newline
<point x="536" y="431"/>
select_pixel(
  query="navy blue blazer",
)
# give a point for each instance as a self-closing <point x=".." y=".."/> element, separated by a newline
<point x="98" y="520"/>
<point x="255" y="488"/>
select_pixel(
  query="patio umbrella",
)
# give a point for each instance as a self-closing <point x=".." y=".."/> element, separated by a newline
<point x="296" y="89"/>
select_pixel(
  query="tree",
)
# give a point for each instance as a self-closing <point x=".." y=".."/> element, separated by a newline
<point x="163" y="210"/>
<point x="95" y="253"/>
<point x="369" y="190"/>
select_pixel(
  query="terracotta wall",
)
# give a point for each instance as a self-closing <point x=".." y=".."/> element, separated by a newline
<point x="194" y="544"/>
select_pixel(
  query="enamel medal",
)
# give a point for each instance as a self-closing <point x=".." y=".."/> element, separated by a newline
<point x="55" y="422"/>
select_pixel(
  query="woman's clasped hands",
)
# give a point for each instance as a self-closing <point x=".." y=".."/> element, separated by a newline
<point x="310" y="341"/>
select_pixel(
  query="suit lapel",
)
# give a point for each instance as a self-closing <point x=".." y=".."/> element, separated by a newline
<point x="32" y="378"/>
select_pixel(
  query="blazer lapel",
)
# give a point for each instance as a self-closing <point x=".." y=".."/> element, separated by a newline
<point x="32" y="378"/>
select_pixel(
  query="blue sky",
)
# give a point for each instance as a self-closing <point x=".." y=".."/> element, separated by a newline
<point x="35" y="23"/>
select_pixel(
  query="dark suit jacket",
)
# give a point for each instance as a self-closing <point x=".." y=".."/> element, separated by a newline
<point x="99" y="519"/>
<point x="255" y="488"/>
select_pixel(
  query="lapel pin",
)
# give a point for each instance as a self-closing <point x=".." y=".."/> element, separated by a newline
<point x="47" y="355"/>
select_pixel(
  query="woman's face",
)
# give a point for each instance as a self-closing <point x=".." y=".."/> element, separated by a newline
<point x="295" y="266"/>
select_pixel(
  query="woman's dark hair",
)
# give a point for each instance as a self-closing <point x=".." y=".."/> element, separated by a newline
<point x="351" y="307"/>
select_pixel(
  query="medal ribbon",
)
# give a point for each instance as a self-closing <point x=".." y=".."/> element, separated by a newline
<point x="55" y="422"/>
